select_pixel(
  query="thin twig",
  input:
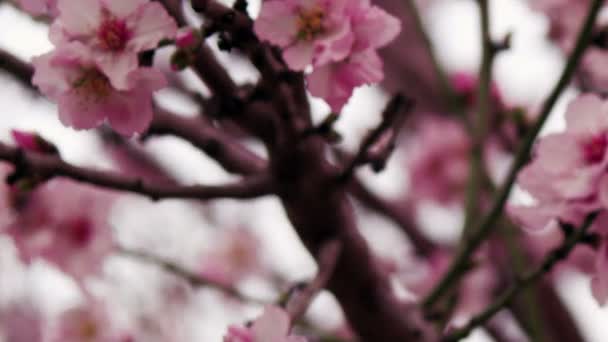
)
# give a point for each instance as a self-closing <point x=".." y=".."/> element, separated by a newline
<point x="192" y="278"/>
<point x="328" y="258"/>
<point x="460" y="264"/>
<point x="52" y="166"/>
<point x="392" y="119"/>
<point x="559" y="254"/>
<point x="444" y="83"/>
<point x="480" y="127"/>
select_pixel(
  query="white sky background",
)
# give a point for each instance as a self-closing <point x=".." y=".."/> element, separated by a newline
<point x="525" y="74"/>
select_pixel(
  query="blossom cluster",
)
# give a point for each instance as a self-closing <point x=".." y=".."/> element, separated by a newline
<point x="93" y="73"/>
<point x="568" y="179"/>
<point x="338" y="38"/>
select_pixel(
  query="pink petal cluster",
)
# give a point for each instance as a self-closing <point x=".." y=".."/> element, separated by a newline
<point x="338" y="38"/>
<point x="568" y="176"/>
<point x="93" y="74"/>
<point x="89" y="322"/>
<point x="86" y="97"/>
<point x="66" y="225"/>
<point x="115" y="31"/>
<point x="465" y="85"/>
<point x="438" y="160"/>
<point x="272" y="326"/>
<point x="30" y="141"/>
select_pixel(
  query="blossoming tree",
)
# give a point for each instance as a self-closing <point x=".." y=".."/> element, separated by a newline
<point x="112" y="59"/>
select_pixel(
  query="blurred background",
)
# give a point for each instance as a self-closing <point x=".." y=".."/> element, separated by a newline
<point x="191" y="234"/>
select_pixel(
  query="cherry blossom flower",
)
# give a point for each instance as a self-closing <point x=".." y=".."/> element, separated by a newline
<point x="336" y="82"/>
<point x="438" y="160"/>
<point x="466" y="84"/>
<point x="88" y="322"/>
<point x="272" y="326"/>
<point x="115" y="31"/>
<point x="188" y="38"/>
<point x="372" y="28"/>
<point x="568" y="168"/>
<point x="309" y="31"/>
<point x="32" y="142"/>
<point x="74" y="235"/>
<point x="338" y="38"/>
<point x="567" y="178"/>
<point x="86" y="97"/>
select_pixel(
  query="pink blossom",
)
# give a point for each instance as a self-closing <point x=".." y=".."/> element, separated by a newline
<point x="187" y="38"/>
<point x="32" y="142"/>
<point x="70" y="76"/>
<point x="309" y="31"/>
<point x="272" y="326"/>
<point x="372" y="28"/>
<point x="115" y="31"/>
<point x="233" y="258"/>
<point x="438" y="160"/>
<point x="39" y="7"/>
<point x="567" y="178"/>
<point x="89" y="322"/>
<point x="568" y="168"/>
<point x="336" y="82"/>
<point x="466" y="84"/>
<point x="65" y="224"/>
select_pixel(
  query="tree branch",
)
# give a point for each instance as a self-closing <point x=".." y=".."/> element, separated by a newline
<point x="218" y="145"/>
<point x="485" y="227"/>
<point x="174" y="7"/>
<point x="275" y="74"/>
<point x="398" y="213"/>
<point x="378" y="144"/>
<point x="19" y="69"/>
<point x="559" y="254"/>
<point x="195" y="280"/>
<point x="53" y="166"/>
<point x="328" y="258"/>
<point x="480" y="126"/>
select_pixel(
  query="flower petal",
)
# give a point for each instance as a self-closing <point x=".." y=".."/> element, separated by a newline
<point x="277" y="23"/>
<point x="152" y="24"/>
<point x="80" y="17"/>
